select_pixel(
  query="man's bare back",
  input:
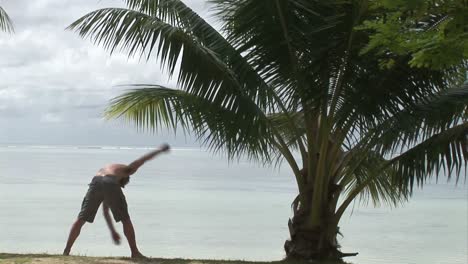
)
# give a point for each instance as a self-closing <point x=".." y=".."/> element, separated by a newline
<point x="116" y="170"/>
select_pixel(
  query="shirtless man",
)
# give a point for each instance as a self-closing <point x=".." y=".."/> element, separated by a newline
<point x="106" y="187"/>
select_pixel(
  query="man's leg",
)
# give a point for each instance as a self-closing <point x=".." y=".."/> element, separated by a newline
<point x="115" y="199"/>
<point x="74" y="233"/>
<point x="130" y="235"/>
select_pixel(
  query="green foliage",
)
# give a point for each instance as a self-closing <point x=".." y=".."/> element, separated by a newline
<point x="433" y="33"/>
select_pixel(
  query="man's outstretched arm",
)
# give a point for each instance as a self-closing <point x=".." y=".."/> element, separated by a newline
<point x="135" y="165"/>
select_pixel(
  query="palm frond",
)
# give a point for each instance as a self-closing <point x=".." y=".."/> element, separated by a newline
<point x="135" y="32"/>
<point x="429" y="116"/>
<point x="444" y="152"/>
<point x="180" y="15"/>
<point x="153" y="107"/>
<point x="166" y="10"/>
<point x="5" y="22"/>
<point x="272" y="36"/>
<point x="373" y="93"/>
<point x="411" y="126"/>
<point x="290" y="126"/>
<point x="374" y="184"/>
<point x="371" y="181"/>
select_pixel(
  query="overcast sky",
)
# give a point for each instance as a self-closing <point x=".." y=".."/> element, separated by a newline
<point x="54" y="85"/>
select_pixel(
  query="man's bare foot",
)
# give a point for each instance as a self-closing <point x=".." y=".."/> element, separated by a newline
<point x="138" y="255"/>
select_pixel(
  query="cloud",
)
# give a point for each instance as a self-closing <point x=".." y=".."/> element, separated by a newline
<point x="51" y="118"/>
<point x="50" y="77"/>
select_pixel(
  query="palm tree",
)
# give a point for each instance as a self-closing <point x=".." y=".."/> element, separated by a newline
<point x="5" y="22"/>
<point x="284" y="80"/>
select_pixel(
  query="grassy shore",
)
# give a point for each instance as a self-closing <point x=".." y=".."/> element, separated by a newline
<point x="6" y="258"/>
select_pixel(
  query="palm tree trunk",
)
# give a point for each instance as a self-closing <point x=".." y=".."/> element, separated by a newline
<point x="317" y="242"/>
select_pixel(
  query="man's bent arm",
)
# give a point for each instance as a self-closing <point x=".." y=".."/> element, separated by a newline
<point x="134" y="166"/>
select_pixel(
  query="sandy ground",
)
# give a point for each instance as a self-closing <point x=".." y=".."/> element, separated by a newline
<point x="6" y="258"/>
<point x="49" y="259"/>
<point x="45" y="259"/>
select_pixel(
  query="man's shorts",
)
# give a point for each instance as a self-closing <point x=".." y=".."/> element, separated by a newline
<point x="104" y="189"/>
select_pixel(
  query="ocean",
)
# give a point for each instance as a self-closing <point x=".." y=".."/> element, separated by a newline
<point x="191" y="203"/>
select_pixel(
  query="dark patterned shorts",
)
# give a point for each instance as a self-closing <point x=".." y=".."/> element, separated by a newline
<point x="104" y="189"/>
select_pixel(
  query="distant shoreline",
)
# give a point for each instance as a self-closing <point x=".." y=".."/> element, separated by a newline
<point x="97" y="147"/>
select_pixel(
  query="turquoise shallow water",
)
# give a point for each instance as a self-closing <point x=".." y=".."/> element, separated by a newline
<point x="192" y="204"/>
